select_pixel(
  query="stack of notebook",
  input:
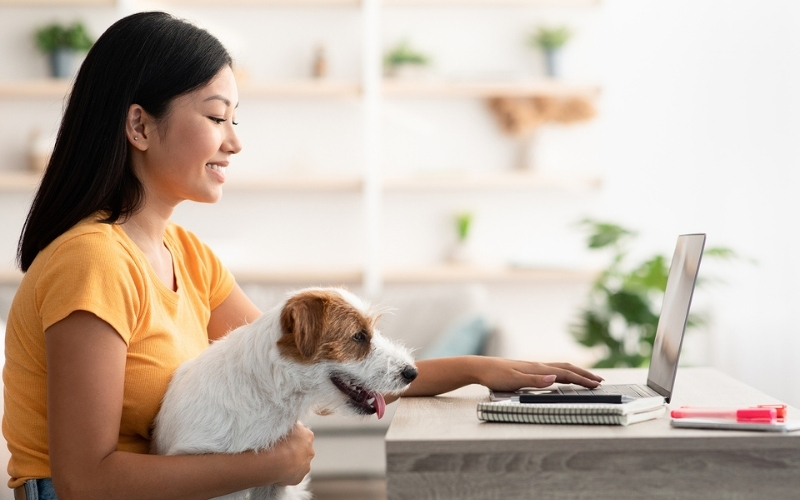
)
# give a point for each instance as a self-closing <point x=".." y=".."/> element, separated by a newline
<point x="572" y="413"/>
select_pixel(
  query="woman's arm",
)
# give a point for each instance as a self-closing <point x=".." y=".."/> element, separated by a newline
<point x="85" y="379"/>
<point x="437" y="376"/>
<point x="236" y="310"/>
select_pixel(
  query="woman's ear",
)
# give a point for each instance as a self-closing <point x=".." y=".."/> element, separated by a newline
<point x="136" y="127"/>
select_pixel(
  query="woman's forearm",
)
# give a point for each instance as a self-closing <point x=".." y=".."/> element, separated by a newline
<point x="437" y="376"/>
<point x="124" y="475"/>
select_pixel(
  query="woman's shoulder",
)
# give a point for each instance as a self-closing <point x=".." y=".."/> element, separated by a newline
<point x="91" y="232"/>
<point x="88" y="241"/>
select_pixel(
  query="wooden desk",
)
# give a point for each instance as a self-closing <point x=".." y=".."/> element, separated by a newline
<point x="436" y="448"/>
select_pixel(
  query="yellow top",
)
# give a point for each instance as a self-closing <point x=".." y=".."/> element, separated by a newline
<point x="95" y="267"/>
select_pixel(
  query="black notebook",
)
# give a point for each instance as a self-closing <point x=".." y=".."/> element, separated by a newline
<point x="572" y="413"/>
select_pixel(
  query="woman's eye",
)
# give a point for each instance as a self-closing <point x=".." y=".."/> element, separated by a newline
<point x="218" y="121"/>
<point x="234" y="123"/>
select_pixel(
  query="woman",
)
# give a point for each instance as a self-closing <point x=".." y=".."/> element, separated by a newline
<point x="115" y="296"/>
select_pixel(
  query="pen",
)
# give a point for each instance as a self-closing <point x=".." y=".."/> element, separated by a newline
<point x="762" y="415"/>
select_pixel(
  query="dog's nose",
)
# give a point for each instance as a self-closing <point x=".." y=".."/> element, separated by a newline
<point x="409" y="373"/>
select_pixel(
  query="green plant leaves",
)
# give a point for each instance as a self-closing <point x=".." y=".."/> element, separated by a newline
<point x="57" y="36"/>
<point x="623" y="308"/>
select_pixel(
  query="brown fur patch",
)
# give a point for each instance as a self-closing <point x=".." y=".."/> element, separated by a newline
<point x="321" y="325"/>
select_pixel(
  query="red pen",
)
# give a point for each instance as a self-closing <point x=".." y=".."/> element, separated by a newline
<point x="758" y="414"/>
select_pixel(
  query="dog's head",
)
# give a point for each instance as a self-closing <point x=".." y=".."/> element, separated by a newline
<point x="332" y="328"/>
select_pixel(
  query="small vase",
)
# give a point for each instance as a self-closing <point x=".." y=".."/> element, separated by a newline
<point x="552" y="62"/>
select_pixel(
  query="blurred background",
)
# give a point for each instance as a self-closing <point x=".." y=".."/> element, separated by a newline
<point x="432" y="149"/>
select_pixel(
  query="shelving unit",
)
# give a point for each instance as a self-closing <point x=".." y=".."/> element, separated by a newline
<point x="370" y="91"/>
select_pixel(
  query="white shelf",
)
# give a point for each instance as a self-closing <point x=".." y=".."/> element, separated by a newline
<point x="53" y="88"/>
<point x="266" y="3"/>
<point x="22" y="181"/>
<point x="57" y="3"/>
<point x="58" y="88"/>
<point x="490" y="3"/>
<point x="34" y="88"/>
<point x="422" y="275"/>
<point x="208" y="3"/>
<point x="301" y="88"/>
<point x="465" y="274"/>
<point x="502" y="181"/>
<point x="398" y="276"/>
<point x="485" y="89"/>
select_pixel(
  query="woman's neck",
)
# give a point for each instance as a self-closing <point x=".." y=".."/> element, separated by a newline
<point x="147" y="232"/>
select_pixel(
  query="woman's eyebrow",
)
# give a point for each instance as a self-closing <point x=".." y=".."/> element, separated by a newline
<point x="218" y="97"/>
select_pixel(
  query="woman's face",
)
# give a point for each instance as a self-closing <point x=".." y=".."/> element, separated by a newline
<point x="188" y="151"/>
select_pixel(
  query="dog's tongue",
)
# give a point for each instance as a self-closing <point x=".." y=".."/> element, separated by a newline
<point x="380" y="404"/>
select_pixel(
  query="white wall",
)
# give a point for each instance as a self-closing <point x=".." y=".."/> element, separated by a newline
<point x="697" y="132"/>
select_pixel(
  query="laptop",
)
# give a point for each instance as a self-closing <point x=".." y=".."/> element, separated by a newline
<point x="669" y="336"/>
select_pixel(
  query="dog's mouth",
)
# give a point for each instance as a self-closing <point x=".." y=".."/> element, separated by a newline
<point x="364" y="401"/>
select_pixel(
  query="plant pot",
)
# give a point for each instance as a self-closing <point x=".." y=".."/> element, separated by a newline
<point x="62" y="63"/>
<point x="408" y="72"/>
<point x="552" y="62"/>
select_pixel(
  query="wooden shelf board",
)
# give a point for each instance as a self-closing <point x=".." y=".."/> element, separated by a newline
<point x="396" y="88"/>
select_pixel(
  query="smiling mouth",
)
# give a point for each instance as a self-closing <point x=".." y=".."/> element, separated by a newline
<point x="362" y="400"/>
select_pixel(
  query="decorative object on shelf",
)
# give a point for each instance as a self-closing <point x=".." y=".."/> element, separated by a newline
<point x="622" y="314"/>
<point x="460" y="252"/>
<point x="61" y="43"/>
<point x="522" y="117"/>
<point x="550" y="41"/>
<point x="319" y="69"/>
<point x="403" y="61"/>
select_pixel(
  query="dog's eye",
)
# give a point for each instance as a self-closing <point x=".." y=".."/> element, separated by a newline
<point x="360" y="337"/>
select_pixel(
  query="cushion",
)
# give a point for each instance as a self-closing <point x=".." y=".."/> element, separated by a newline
<point x="465" y="336"/>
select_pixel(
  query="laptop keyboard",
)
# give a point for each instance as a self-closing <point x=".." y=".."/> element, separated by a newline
<point x="635" y="391"/>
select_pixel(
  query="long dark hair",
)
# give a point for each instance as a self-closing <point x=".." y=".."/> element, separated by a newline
<point x="148" y="58"/>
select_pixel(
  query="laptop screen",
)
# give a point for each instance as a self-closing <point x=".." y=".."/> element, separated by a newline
<point x="675" y="313"/>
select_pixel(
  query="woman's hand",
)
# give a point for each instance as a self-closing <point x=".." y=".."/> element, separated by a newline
<point x="298" y="451"/>
<point x="509" y="375"/>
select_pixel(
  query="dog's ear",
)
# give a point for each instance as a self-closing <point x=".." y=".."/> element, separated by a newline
<point x="302" y="318"/>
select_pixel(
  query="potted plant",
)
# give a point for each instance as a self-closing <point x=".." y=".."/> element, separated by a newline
<point x="550" y="41"/>
<point x="622" y="311"/>
<point x="61" y="42"/>
<point x="404" y="61"/>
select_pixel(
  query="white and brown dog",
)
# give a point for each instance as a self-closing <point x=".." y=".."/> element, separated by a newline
<point x="319" y="350"/>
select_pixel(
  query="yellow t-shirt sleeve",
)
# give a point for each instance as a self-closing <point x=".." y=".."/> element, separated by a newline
<point x="88" y="274"/>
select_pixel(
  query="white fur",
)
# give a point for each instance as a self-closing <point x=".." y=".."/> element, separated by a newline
<point x="242" y="394"/>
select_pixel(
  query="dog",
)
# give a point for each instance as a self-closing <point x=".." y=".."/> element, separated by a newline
<point x="318" y="350"/>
